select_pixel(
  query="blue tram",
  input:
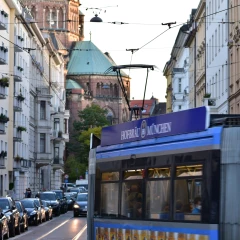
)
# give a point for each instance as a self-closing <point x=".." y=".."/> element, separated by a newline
<point x="167" y="177"/>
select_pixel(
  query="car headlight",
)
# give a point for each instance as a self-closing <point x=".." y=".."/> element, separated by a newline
<point x="76" y="206"/>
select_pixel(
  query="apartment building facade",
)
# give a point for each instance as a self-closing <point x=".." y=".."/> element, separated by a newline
<point x="33" y="120"/>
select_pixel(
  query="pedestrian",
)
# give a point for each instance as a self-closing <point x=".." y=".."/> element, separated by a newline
<point x="26" y="193"/>
<point x="29" y="193"/>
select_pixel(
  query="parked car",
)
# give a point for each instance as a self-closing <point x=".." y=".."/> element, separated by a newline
<point x="4" y="230"/>
<point x="51" y="199"/>
<point x="41" y="208"/>
<point x="78" y="190"/>
<point x="48" y="210"/>
<point x="70" y="200"/>
<point x="23" y="216"/>
<point x="80" y="206"/>
<point x="66" y="186"/>
<point x="62" y="199"/>
<point x="34" y="215"/>
<point x="9" y="209"/>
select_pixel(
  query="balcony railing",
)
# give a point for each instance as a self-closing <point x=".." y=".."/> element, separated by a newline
<point x="18" y="46"/>
<point x="2" y="128"/>
<point x="17" y="105"/>
<point x="58" y="160"/>
<point x="17" y="74"/>
<point x="3" y="20"/>
<point x="17" y="135"/>
<point x="3" y="92"/>
<point x="2" y="162"/>
<point x="3" y="55"/>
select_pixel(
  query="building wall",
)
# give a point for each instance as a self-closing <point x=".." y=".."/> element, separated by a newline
<point x="217" y="62"/>
<point x="234" y="55"/>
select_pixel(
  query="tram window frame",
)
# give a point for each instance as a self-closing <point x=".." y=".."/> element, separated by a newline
<point x="164" y="212"/>
<point x="183" y="211"/>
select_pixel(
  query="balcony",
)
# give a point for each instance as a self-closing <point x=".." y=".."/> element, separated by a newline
<point x="3" y="92"/>
<point x="57" y="163"/>
<point x="17" y="135"/>
<point x="18" y="43"/>
<point x="16" y="5"/>
<point x="18" y="72"/>
<point x="211" y="103"/>
<point x="65" y="137"/>
<point x="57" y="135"/>
<point x="2" y="128"/>
<point x="43" y="159"/>
<point x="3" y="161"/>
<point x="17" y="105"/>
<point x="21" y="164"/>
<point x="3" y="20"/>
<point x="3" y="55"/>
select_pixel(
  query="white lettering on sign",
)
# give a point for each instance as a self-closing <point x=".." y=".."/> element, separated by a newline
<point x="150" y="130"/>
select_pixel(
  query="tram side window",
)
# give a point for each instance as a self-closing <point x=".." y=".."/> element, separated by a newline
<point x="131" y="202"/>
<point x="188" y="192"/>
<point x="109" y="194"/>
<point x="158" y="193"/>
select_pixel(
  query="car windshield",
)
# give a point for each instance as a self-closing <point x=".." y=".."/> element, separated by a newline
<point x="48" y="196"/>
<point x="19" y="207"/>
<point x="82" y="197"/>
<point x="74" y="190"/>
<point x="28" y="204"/>
<point x="44" y="204"/>
<point x="4" y="204"/>
<point x="37" y="203"/>
<point x="59" y="194"/>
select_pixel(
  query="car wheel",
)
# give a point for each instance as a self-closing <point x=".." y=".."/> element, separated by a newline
<point x="23" y="227"/>
<point x="75" y="215"/>
<point x="18" y="228"/>
<point x="36" y="222"/>
<point x="7" y="234"/>
<point x="12" y="230"/>
<point x="26" y="226"/>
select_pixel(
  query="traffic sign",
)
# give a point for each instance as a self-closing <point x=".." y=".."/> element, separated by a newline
<point x="66" y="176"/>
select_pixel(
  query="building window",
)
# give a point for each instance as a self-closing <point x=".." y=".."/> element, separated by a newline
<point x="179" y="85"/>
<point x="42" y="142"/>
<point x="56" y="153"/>
<point x="56" y="124"/>
<point x="179" y="107"/>
<point x="42" y="110"/>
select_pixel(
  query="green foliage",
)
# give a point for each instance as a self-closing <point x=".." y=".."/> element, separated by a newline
<point x="74" y="168"/>
<point x="92" y="116"/>
<point x="84" y="140"/>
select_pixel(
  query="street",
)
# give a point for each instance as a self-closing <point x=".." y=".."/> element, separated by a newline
<point x="64" y="227"/>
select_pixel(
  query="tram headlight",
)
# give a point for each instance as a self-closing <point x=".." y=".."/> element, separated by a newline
<point x="76" y="206"/>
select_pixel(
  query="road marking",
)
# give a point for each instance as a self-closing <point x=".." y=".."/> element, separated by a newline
<point x="80" y="233"/>
<point x="53" y="230"/>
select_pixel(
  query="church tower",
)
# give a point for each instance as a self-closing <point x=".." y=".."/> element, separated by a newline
<point x="61" y="18"/>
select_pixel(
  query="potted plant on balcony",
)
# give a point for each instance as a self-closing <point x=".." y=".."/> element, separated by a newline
<point x="20" y="68"/>
<point x="17" y="158"/>
<point x="3" y="118"/>
<point x="20" y="97"/>
<point x="21" y="129"/>
<point x="4" y="82"/>
<point x="60" y="134"/>
<point x="207" y="95"/>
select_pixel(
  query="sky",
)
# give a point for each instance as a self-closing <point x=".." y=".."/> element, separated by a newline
<point x="143" y="30"/>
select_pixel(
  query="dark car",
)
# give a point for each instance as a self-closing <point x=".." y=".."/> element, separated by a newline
<point x="4" y="230"/>
<point x="41" y="208"/>
<point x="23" y="216"/>
<point x="9" y="209"/>
<point x="51" y="199"/>
<point x="34" y="215"/>
<point x="80" y="206"/>
<point x="48" y="210"/>
<point x="70" y="200"/>
<point x="62" y="200"/>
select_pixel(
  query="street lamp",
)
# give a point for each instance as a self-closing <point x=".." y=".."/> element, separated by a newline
<point x="96" y="19"/>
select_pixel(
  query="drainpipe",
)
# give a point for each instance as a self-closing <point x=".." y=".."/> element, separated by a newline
<point x="195" y="72"/>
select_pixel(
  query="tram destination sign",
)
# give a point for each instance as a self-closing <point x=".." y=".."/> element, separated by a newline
<point x="192" y="120"/>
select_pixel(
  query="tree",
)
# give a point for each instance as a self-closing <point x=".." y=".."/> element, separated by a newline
<point x="84" y="140"/>
<point x="74" y="168"/>
<point x="92" y="116"/>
